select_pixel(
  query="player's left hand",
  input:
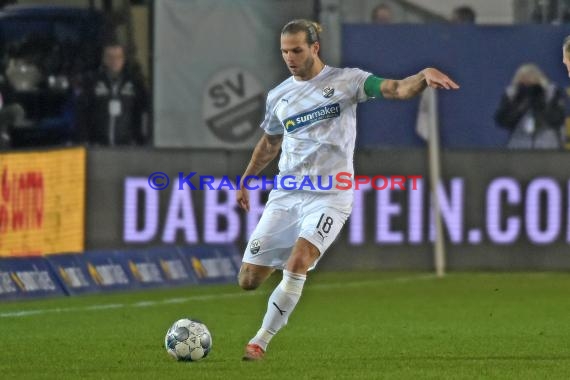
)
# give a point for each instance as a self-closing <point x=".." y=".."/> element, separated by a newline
<point x="436" y="79"/>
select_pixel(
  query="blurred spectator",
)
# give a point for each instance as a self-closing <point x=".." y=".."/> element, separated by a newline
<point x="10" y="115"/>
<point x="35" y="93"/>
<point x="545" y="12"/>
<point x="382" y="14"/>
<point x="4" y="3"/>
<point x="463" y="15"/>
<point x="566" y="62"/>
<point x="532" y="108"/>
<point x="113" y="103"/>
<point x="566" y="54"/>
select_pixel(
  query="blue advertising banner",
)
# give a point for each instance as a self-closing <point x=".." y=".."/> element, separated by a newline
<point x="212" y="263"/>
<point x="481" y="59"/>
<point x="172" y="265"/>
<point x="73" y="273"/>
<point x="27" y="277"/>
<point x="104" y="270"/>
<point x="143" y="269"/>
<point x="155" y="267"/>
<point x="108" y="270"/>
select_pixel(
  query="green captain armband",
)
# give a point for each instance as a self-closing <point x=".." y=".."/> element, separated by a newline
<point x="372" y="86"/>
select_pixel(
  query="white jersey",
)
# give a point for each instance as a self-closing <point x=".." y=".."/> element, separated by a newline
<point x="318" y="120"/>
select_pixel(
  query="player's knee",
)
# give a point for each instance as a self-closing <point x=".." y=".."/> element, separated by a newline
<point x="250" y="277"/>
<point x="300" y="263"/>
<point x="247" y="282"/>
<point x="303" y="258"/>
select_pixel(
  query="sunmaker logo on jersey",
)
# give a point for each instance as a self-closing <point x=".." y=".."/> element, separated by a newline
<point x="307" y="118"/>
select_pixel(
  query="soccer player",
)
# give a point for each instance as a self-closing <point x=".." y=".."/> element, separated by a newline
<point x="311" y="117"/>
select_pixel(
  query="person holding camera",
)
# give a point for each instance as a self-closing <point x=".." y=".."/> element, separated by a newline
<point x="532" y="108"/>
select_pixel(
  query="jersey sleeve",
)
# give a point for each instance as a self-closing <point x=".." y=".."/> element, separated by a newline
<point x="271" y="124"/>
<point x="357" y="77"/>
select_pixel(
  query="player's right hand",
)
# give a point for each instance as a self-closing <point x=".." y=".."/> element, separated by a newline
<point x="242" y="198"/>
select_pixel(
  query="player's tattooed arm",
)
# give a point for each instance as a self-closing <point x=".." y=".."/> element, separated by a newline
<point x="265" y="151"/>
<point x="403" y="89"/>
<point x="413" y="85"/>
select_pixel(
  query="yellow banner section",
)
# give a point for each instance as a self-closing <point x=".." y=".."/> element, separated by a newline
<point x="42" y="202"/>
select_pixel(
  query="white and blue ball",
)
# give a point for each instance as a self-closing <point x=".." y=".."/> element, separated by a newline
<point x="188" y="340"/>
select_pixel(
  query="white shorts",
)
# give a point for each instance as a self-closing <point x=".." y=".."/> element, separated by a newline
<point x="289" y="215"/>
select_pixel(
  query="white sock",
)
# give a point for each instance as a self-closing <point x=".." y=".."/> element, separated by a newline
<point x="281" y="304"/>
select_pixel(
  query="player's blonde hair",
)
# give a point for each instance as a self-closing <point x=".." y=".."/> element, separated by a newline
<point x="531" y="71"/>
<point x="312" y="29"/>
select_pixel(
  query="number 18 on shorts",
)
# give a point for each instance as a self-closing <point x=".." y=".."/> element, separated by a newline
<point x="290" y="216"/>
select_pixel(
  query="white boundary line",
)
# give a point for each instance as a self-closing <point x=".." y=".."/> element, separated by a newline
<point x="206" y="297"/>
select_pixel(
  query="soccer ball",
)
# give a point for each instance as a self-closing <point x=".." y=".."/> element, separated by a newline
<point x="188" y="340"/>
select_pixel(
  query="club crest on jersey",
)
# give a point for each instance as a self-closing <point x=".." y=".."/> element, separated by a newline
<point x="304" y="119"/>
<point x="328" y="92"/>
<point x="255" y="246"/>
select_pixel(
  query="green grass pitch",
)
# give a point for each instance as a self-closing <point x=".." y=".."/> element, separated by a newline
<point x="369" y="325"/>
